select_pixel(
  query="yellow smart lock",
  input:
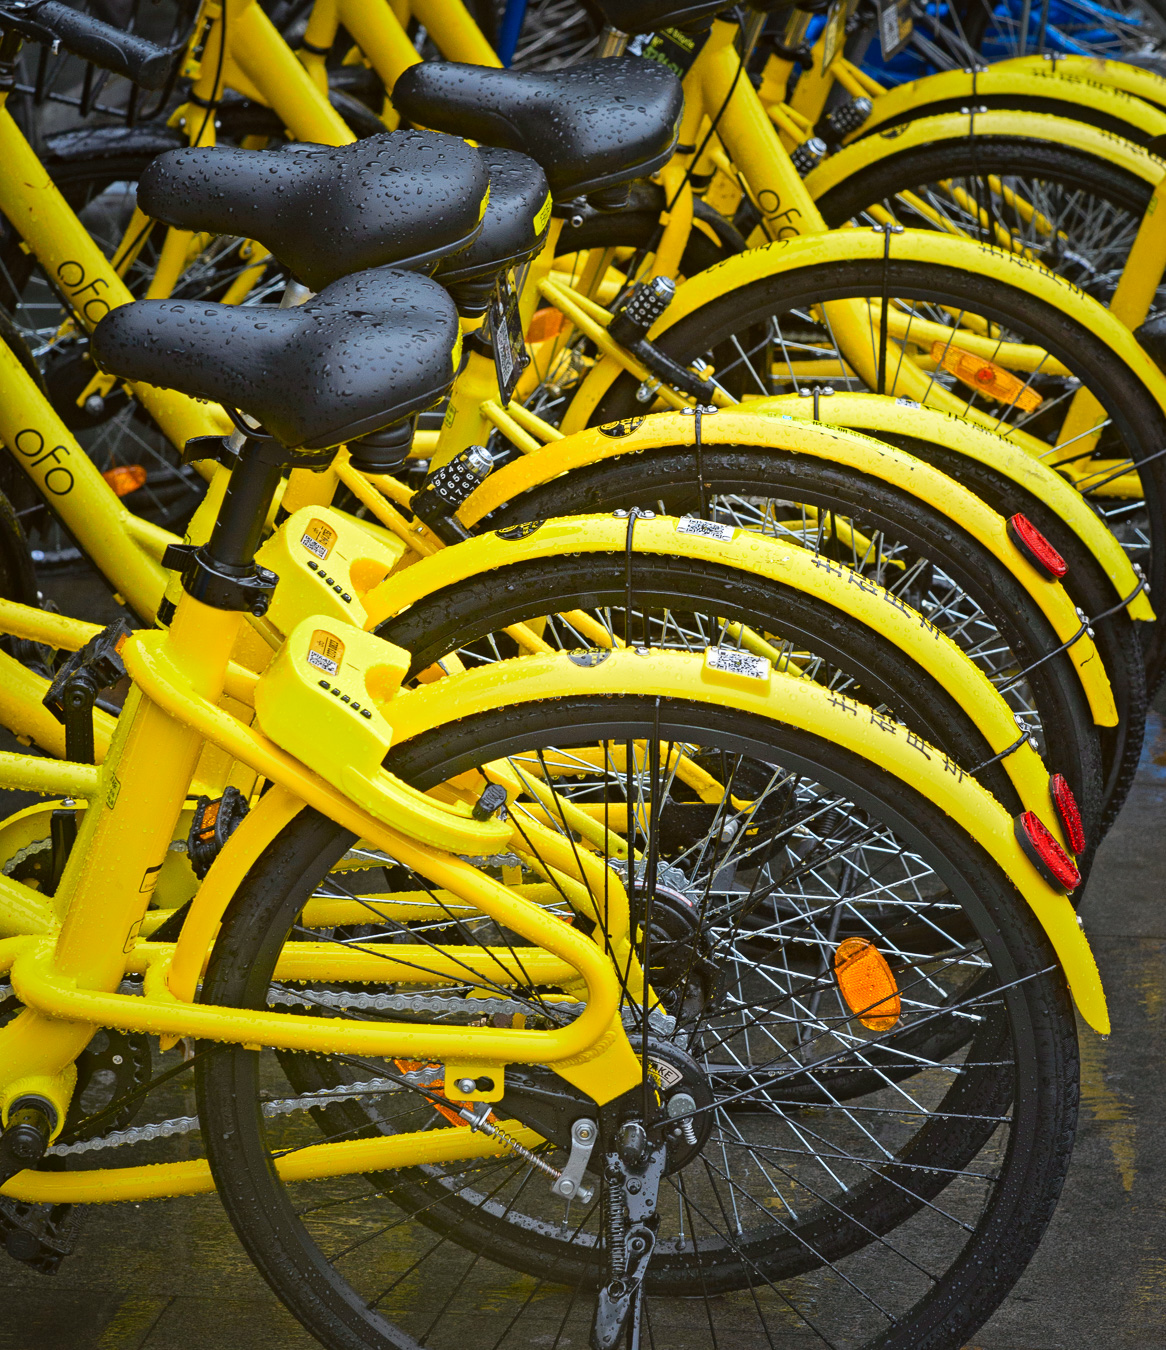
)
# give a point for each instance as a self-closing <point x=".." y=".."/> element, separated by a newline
<point x="326" y="564"/>
<point x="323" y="700"/>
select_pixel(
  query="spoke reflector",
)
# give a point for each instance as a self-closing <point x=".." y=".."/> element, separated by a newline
<point x="986" y="377"/>
<point x="545" y="323"/>
<point x="1068" y="811"/>
<point x="1045" y="854"/>
<point x="1035" y="547"/>
<point x="125" y="478"/>
<point x="867" y="984"/>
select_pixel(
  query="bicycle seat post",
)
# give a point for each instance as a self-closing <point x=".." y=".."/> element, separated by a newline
<point x="254" y="481"/>
<point x="222" y="574"/>
<point x="612" y="42"/>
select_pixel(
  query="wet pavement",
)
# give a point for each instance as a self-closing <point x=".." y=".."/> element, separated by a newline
<point x="171" y="1276"/>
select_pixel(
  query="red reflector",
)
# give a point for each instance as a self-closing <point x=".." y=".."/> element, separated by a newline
<point x="1035" y="547"/>
<point x="1045" y="854"/>
<point x="1068" y="811"/>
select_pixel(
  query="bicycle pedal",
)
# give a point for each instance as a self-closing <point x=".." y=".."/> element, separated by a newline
<point x="326" y="565"/>
<point x="73" y="693"/>
<point x="322" y="698"/>
<point x="213" y="824"/>
<point x="40" y="1236"/>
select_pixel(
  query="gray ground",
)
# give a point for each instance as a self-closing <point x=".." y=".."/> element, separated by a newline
<point x="170" y="1276"/>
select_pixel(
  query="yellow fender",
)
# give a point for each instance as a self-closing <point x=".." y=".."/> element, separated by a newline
<point x="833" y="246"/>
<point x="836" y="586"/>
<point x="1028" y="78"/>
<point x="879" y="413"/>
<point x="1064" y="131"/>
<point x="1143" y="84"/>
<point x="795" y="702"/>
<point x="835" y="444"/>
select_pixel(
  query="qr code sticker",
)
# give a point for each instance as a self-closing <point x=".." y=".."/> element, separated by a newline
<point x="708" y="529"/>
<point x="729" y="661"/>
<point x="322" y="663"/>
<point x="314" y="546"/>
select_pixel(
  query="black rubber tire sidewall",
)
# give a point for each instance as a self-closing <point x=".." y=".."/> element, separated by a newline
<point x="1136" y="414"/>
<point x="654" y="477"/>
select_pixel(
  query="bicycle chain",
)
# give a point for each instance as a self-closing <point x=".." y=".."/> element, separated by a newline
<point x="165" y="1129"/>
<point x="659" y="1022"/>
<point x="28" y="851"/>
<point x="375" y="858"/>
<point x="351" y="998"/>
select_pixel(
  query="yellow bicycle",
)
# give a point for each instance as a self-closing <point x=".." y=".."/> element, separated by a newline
<point x="401" y="1044"/>
<point x="1062" y="708"/>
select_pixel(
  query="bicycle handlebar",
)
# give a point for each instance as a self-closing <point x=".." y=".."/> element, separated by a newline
<point x="143" y="62"/>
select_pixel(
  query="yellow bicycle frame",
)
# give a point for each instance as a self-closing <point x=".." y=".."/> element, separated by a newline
<point x="67" y="977"/>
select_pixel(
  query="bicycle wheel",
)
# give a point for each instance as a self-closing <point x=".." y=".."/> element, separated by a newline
<point x="551" y="33"/>
<point x="1074" y="212"/>
<point x="770" y="336"/>
<point x="788" y="1209"/>
<point x="1125" y="30"/>
<point x="987" y="30"/>
<point x="881" y="532"/>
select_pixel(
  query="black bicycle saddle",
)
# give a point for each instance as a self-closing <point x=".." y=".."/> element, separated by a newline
<point x="407" y="198"/>
<point x="368" y="351"/>
<point x="590" y="126"/>
<point x="513" y="229"/>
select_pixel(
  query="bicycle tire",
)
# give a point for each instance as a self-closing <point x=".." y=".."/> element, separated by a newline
<point x="471" y="616"/>
<point x="1092" y="592"/>
<point x="663" y="481"/>
<point x="1136" y="427"/>
<point x="1040" y="1033"/>
<point x="1073" y="189"/>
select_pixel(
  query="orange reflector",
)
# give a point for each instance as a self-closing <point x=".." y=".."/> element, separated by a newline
<point x="544" y="323"/>
<point x="867" y="984"/>
<point x="126" y="478"/>
<point x="436" y="1088"/>
<point x="986" y="377"/>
